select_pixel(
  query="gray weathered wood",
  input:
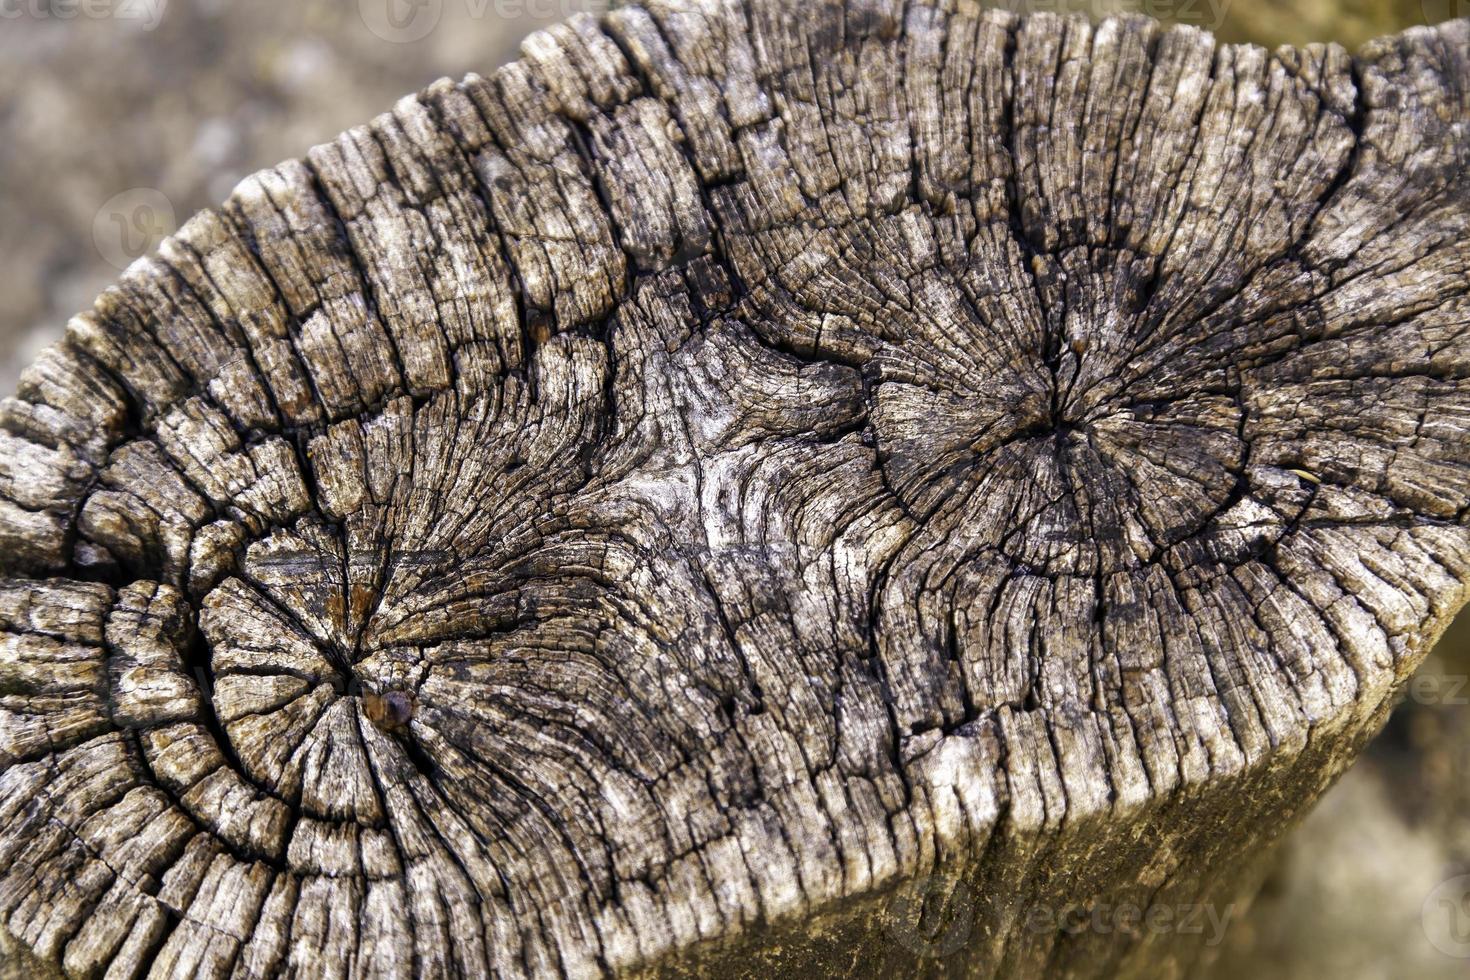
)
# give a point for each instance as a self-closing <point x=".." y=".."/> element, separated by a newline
<point x="647" y="508"/>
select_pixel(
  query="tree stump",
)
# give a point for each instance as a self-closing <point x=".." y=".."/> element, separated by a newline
<point x="750" y="487"/>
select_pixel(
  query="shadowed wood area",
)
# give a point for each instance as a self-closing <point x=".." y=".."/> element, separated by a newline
<point x="740" y="476"/>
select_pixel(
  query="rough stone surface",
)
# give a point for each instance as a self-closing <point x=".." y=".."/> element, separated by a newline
<point x="645" y="508"/>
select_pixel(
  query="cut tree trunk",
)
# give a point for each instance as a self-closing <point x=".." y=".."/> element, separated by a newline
<point x="748" y="488"/>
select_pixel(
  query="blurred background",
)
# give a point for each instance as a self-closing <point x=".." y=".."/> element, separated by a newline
<point x="120" y="118"/>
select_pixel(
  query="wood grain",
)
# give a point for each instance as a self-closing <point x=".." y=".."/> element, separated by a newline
<point x="665" y="505"/>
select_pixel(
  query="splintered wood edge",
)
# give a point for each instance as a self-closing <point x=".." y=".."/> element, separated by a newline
<point x="739" y="477"/>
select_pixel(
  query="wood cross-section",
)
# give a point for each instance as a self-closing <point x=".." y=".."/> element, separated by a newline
<point x="666" y="504"/>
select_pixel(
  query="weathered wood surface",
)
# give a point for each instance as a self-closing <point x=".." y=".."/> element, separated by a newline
<point x="638" y="510"/>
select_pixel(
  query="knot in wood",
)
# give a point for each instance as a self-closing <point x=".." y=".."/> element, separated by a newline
<point x="391" y="711"/>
